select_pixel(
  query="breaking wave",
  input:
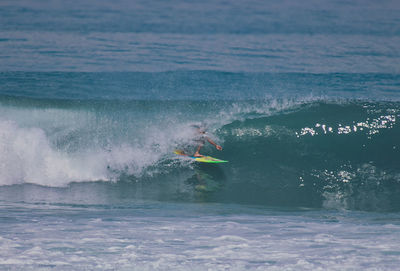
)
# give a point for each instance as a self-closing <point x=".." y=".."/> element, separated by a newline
<point x="302" y="153"/>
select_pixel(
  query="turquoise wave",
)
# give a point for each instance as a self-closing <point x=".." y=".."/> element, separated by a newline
<point x="317" y="153"/>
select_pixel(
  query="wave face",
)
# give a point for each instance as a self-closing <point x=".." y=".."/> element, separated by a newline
<point x="314" y="152"/>
<point x="329" y="154"/>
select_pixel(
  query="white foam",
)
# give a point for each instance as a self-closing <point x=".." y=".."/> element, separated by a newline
<point x="30" y="154"/>
<point x="27" y="156"/>
<point x="163" y="240"/>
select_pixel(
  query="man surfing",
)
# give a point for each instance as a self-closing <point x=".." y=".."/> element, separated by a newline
<point x="201" y="139"/>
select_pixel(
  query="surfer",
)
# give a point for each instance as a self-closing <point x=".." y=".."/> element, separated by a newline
<point x="201" y="139"/>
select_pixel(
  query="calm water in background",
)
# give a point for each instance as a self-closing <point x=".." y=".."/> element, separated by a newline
<point x="96" y="95"/>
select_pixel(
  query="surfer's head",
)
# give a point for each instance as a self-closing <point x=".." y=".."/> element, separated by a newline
<point x="200" y="128"/>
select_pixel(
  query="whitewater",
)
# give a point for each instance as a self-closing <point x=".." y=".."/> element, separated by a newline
<point x="304" y="98"/>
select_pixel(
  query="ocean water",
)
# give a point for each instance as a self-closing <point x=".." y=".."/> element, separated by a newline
<point x="303" y="96"/>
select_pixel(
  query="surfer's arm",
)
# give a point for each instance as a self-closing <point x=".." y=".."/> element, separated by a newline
<point x="218" y="147"/>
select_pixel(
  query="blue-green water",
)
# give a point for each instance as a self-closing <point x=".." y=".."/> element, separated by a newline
<point x="304" y="98"/>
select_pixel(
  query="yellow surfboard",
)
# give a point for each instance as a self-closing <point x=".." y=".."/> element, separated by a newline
<point x="203" y="159"/>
